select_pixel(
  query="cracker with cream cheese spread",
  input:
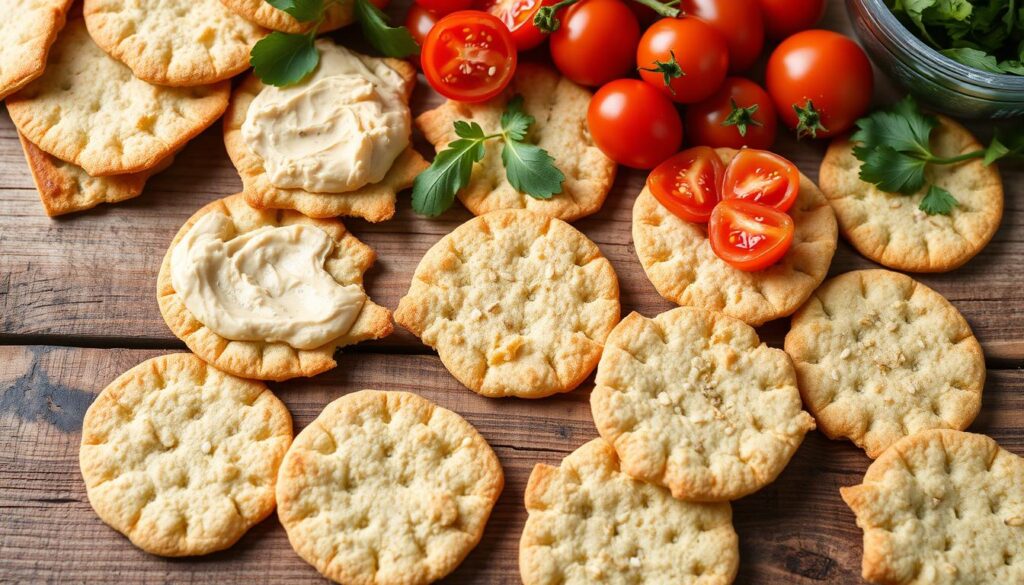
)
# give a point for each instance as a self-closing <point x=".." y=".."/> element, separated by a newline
<point x="173" y="42"/>
<point x="374" y="202"/>
<point x="347" y="261"/>
<point x="559" y="108"/>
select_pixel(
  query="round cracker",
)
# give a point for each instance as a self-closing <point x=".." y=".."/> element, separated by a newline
<point x="515" y="302"/>
<point x="880" y="356"/>
<point x="25" y="39"/>
<point x="679" y="261"/>
<point x="182" y="458"/>
<point x="173" y="42"/>
<point x="693" y="401"/>
<point x="264" y="14"/>
<point x="387" y="488"/>
<point x="90" y="110"/>
<point x="559" y="108"/>
<point x="277" y="361"/>
<point x="942" y="507"/>
<point x="591" y="523"/>
<point x="373" y="203"/>
<point x="890" y="229"/>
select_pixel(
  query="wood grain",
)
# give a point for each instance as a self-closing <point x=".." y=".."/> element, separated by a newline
<point x="796" y="531"/>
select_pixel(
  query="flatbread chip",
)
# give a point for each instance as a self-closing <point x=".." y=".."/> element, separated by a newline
<point x="516" y="303"/>
<point x="88" y="109"/>
<point x="182" y="458"/>
<point x="66" y="188"/>
<point x="347" y="262"/>
<point x="679" y="261"/>
<point x="942" y="507"/>
<point x="25" y="37"/>
<point x="693" y="401"/>
<point x="591" y="523"/>
<point x="373" y="203"/>
<point x="559" y="108"/>
<point x="880" y="356"/>
<point x="387" y="488"/>
<point x="264" y="14"/>
<point x="173" y="42"/>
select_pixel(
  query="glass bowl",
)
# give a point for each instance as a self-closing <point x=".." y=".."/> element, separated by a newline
<point x="936" y="80"/>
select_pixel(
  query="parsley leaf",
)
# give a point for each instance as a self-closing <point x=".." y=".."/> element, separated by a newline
<point x="529" y="168"/>
<point x="433" y="191"/>
<point x="1008" y="141"/>
<point x="284" y="59"/>
<point x="300" y="10"/>
<point x="392" y="41"/>
<point x="904" y="128"/>
<point x="938" y="201"/>
<point x="891" y="170"/>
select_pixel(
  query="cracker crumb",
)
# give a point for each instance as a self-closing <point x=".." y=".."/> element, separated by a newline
<point x="634" y="562"/>
<point x="845" y="354"/>
<point x="664" y="399"/>
<point x="206" y="447"/>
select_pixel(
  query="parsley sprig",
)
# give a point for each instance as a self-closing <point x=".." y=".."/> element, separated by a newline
<point x="546" y="20"/>
<point x="283" y="59"/>
<point x="529" y="168"/>
<point x="894" y="148"/>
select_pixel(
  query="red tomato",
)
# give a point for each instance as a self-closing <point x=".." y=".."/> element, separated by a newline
<point x="442" y="7"/>
<point x="738" y="21"/>
<point x="785" y="17"/>
<point x="821" y="82"/>
<point x="739" y="114"/>
<point x="468" y="56"/>
<point x="634" y="124"/>
<point x="518" y="17"/>
<point x="762" y="177"/>
<point x="684" y="57"/>
<point x="595" y="42"/>
<point x="419" y="21"/>
<point x="688" y="183"/>
<point x="749" y="236"/>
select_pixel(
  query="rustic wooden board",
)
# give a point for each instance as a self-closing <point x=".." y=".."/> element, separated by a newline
<point x="796" y="531"/>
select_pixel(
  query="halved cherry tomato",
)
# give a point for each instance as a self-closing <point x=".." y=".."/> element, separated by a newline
<point x="684" y="57"/>
<point x="518" y="17"/>
<point x="442" y="7"/>
<point x="468" y="56"/>
<point x="419" y="21"/>
<point x="762" y="177"/>
<point x="688" y="183"/>
<point x="739" y="114"/>
<point x="596" y="41"/>
<point x="634" y="124"/>
<point x="749" y="236"/>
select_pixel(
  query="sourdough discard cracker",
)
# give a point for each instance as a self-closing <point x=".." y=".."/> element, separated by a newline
<point x="387" y="488"/>
<point x="516" y="303"/>
<point x="942" y="507"/>
<point x="88" y="109"/>
<point x="26" y="34"/>
<point x="173" y="42"/>
<point x="337" y="15"/>
<point x="693" y="401"/>
<point x="679" y="261"/>
<point x="890" y="229"/>
<point x="559" y="107"/>
<point x="182" y="458"/>
<point x="880" y="356"/>
<point x="348" y="260"/>
<point x="591" y="523"/>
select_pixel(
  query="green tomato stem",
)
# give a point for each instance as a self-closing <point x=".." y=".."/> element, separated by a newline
<point x="667" y="10"/>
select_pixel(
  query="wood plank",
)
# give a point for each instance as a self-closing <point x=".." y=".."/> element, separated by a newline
<point x="796" y="531"/>
<point x="89" y="279"/>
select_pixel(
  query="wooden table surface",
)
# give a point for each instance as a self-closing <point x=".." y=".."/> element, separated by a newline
<point x="78" y="307"/>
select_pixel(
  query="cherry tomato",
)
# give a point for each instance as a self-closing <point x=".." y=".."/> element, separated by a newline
<point x="688" y="183"/>
<point x="738" y="21"/>
<point x="518" y="17"/>
<point x="749" y="236"/>
<point x="821" y="82"/>
<point x="595" y="42"/>
<point x="419" y="21"/>
<point x="762" y="177"/>
<point x="442" y="7"/>
<point x="683" y="57"/>
<point x="634" y="124"/>
<point x="739" y="114"/>
<point x="468" y="56"/>
<point x="785" y="17"/>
